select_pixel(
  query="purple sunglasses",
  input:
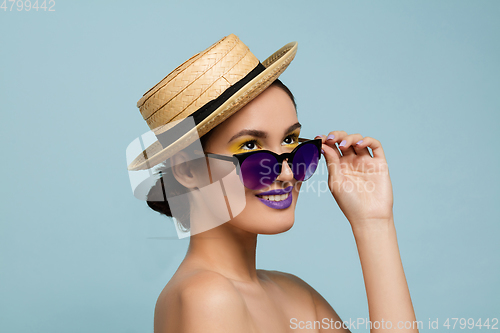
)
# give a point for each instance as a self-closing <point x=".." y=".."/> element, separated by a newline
<point x="259" y="168"/>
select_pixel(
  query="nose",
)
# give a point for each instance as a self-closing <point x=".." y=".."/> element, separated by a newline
<point x="286" y="173"/>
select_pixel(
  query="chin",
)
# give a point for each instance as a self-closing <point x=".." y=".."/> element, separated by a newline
<point x="258" y="218"/>
<point x="278" y="227"/>
<point x="265" y="225"/>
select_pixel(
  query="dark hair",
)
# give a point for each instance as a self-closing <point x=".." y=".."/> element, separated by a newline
<point x="288" y="92"/>
<point x="168" y="182"/>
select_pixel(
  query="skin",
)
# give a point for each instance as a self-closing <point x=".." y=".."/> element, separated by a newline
<point x="217" y="287"/>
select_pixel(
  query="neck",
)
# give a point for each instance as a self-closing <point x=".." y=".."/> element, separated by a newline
<point x="226" y="250"/>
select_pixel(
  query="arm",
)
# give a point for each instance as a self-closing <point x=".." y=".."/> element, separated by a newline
<point x="385" y="282"/>
<point x="362" y="188"/>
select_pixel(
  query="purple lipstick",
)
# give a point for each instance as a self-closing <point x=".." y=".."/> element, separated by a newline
<point x="277" y="195"/>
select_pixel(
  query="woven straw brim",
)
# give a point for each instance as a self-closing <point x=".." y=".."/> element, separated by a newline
<point x="275" y="66"/>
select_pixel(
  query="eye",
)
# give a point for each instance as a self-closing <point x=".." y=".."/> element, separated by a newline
<point x="249" y="145"/>
<point x="291" y="139"/>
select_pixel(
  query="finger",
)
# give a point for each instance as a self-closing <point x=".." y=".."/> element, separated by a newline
<point x="328" y="148"/>
<point x="374" y="144"/>
<point x="331" y="149"/>
<point x="334" y="138"/>
<point x="332" y="156"/>
<point x="346" y="145"/>
<point x="322" y="137"/>
<point x="361" y="150"/>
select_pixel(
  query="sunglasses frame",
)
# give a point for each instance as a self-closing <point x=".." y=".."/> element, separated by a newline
<point x="238" y="159"/>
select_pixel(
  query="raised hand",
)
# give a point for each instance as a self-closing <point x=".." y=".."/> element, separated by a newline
<point x="359" y="182"/>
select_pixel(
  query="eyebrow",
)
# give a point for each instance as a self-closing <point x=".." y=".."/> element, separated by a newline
<point x="262" y="134"/>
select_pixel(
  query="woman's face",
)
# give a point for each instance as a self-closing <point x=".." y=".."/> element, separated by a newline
<point x="267" y="122"/>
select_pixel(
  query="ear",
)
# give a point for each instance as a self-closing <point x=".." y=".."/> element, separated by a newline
<point x="188" y="172"/>
<point x="182" y="169"/>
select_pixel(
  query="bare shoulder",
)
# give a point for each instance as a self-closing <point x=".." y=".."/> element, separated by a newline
<point x="200" y="301"/>
<point x="302" y="291"/>
<point x="287" y="281"/>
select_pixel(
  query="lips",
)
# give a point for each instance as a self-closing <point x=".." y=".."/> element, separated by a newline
<point x="277" y="199"/>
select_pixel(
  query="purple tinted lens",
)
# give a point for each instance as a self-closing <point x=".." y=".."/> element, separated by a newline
<point x="305" y="161"/>
<point x="258" y="171"/>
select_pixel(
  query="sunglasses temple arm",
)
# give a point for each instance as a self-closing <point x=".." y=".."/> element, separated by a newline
<point x="221" y="157"/>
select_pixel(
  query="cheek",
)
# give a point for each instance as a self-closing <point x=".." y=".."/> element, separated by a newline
<point x="296" y="191"/>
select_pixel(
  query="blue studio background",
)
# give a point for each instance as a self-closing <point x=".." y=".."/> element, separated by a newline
<point x="79" y="253"/>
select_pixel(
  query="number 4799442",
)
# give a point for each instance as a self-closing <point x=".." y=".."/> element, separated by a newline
<point x="27" y="5"/>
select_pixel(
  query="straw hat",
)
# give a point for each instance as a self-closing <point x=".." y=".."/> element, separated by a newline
<point x="208" y="88"/>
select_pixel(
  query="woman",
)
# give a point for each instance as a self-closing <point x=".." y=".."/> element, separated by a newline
<point x="217" y="287"/>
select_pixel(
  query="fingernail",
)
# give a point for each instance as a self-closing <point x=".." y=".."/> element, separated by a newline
<point x="342" y="143"/>
<point x="330" y="137"/>
<point x="322" y="151"/>
<point x="359" y="142"/>
<point x="318" y="137"/>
